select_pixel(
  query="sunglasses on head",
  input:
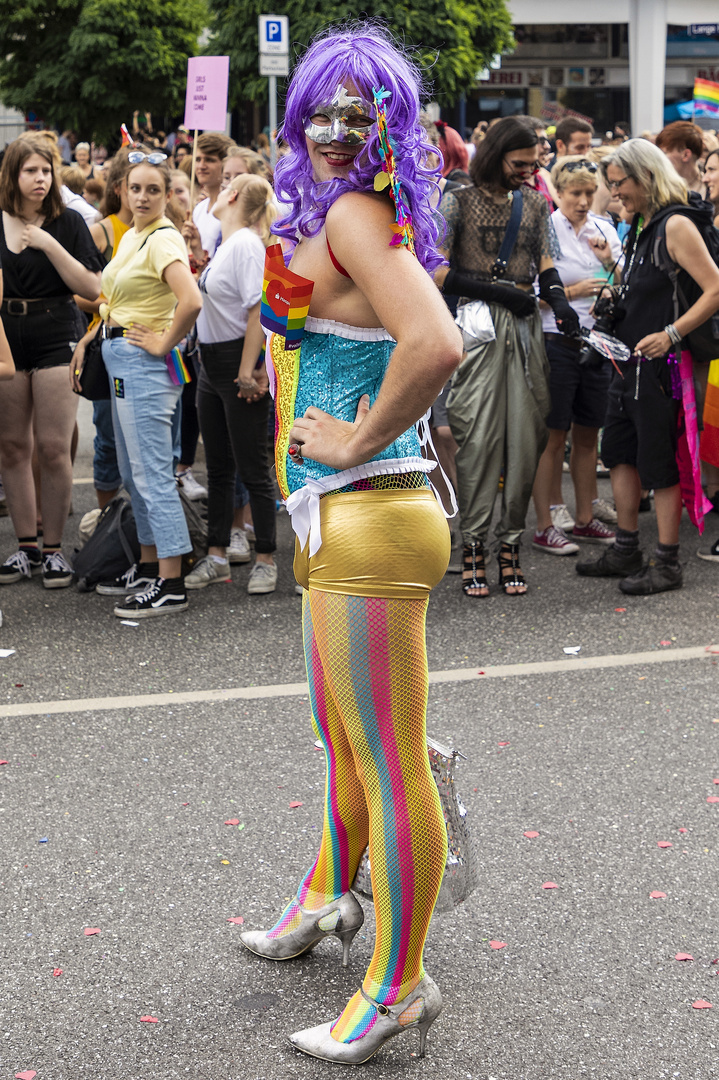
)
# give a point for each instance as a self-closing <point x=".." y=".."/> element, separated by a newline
<point x="135" y="157"/>
<point x="573" y="166"/>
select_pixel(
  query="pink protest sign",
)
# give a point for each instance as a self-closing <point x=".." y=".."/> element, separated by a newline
<point x="208" y="78"/>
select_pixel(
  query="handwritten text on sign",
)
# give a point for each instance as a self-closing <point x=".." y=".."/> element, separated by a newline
<point x="206" y="99"/>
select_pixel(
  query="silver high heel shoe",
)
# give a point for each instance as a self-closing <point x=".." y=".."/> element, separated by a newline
<point x="418" y="1010"/>
<point x="341" y="919"/>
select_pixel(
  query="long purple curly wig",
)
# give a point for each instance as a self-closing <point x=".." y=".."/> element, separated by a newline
<point x="364" y="54"/>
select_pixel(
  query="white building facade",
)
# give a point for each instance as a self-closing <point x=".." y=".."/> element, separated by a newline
<point x="640" y="58"/>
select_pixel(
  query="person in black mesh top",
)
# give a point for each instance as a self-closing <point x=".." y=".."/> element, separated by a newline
<point x="500" y="398"/>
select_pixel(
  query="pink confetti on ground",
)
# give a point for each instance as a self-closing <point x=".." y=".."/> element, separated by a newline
<point x="27" y="1075"/>
<point x="683" y="956"/>
<point x="149" y="1020"/>
<point x="90" y="930"/>
<point x="185" y="804"/>
<point x="713" y="798"/>
<point x="716" y="781"/>
<point x="498" y="944"/>
<point x="664" y="843"/>
<point x="480" y="673"/>
<point x="7" y="763"/>
<point x="232" y="821"/>
<point x="550" y="885"/>
<point x="684" y="830"/>
<point x="700" y="1004"/>
<point x="56" y="972"/>
<point x="237" y="919"/>
<point x="620" y="609"/>
<point x="665" y="642"/>
<point x="503" y="744"/>
<point x="656" y="895"/>
<point x="294" y="805"/>
<point x="531" y="835"/>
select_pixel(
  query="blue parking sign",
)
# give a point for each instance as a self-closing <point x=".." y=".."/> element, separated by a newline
<point x="274" y="34"/>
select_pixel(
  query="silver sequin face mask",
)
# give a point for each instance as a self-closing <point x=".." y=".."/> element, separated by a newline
<point x="344" y="119"/>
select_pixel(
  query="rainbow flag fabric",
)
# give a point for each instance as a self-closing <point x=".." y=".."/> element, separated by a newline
<point x="706" y="95"/>
<point x="709" y="445"/>
<point x="283" y="312"/>
<point x="177" y="368"/>
<point x="285" y="299"/>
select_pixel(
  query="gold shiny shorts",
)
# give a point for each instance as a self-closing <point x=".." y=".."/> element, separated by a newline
<point x="377" y="543"/>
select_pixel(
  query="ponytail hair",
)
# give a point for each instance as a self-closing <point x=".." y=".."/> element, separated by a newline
<point x="256" y="202"/>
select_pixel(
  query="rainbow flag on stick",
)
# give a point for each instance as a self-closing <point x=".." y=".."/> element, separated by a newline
<point x="706" y="96"/>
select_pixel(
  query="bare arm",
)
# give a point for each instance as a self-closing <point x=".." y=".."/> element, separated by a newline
<point x="77" y="277"/>
<point x="250" y="385"/>
<point x="408" y="305"/>
<point x="687" y="249"/>
<point x="7" y="364"/>
<point x="189" y="305"/>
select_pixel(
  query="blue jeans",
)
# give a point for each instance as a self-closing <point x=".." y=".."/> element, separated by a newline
<point x="106" y="474"/>
<point x="143" y="402"/>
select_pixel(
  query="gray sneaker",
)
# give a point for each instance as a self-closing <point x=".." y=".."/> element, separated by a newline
<point x="207" y="572"/>
<point x="561" y="518"/>
<point x="604" y="511"/>
<point x="263" y="578"/>
<point x="239" y="549"/>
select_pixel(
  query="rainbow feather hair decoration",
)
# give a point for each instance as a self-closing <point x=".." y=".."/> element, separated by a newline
<point x="388" y="178"/>
<point x="283" y="312"/>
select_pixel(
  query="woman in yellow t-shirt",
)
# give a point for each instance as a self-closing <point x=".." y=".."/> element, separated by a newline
<point x="152" y="302"/>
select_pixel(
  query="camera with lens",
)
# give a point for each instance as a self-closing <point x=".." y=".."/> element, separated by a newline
<point x="606" y="313"/>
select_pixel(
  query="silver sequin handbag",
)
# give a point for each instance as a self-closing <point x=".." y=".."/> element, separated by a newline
<point x="461" y="872"/>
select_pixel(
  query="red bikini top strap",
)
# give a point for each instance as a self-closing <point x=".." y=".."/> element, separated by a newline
<point x="334" y="261"/>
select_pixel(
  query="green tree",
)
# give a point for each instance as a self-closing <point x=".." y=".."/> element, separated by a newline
<point x="87" y="64"/>
<point x="455" y="38"/>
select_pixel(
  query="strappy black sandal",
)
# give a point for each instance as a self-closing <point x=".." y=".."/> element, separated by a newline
<point x="473" y="563"/>
<point x="508" y="559"/>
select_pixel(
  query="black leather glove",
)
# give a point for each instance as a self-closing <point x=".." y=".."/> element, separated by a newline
<point x="515" y="300"/>
<point x="552" y="292"/>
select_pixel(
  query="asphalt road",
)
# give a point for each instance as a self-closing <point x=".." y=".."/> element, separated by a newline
<point x="128" y="748"/>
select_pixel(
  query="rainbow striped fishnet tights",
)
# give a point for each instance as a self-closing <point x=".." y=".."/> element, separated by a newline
<point x="367" y="669"/>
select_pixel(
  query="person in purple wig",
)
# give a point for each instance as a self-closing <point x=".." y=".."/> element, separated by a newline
<point x="372" y="540"/>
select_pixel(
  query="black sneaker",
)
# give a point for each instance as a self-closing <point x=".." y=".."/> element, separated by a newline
<point x="136" y="579"/>
<point x="56" y="570"/>
<point x="657" y="577"/>
<point x="613" y="563"/>
<point x="711" y="554"/>
<point x="162" y="597"/>
<point x="27" y="562"/>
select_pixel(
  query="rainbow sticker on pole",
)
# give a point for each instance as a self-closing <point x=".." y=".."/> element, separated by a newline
<point x="283" y="312"/>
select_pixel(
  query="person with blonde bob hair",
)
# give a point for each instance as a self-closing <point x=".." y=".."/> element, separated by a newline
<point x="232" y="391"/>
<point x="640" y="434"/>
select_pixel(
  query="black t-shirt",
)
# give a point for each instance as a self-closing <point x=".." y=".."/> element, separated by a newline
<point x="31" y="276"/>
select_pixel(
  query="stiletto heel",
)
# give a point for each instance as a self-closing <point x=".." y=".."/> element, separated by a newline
<point x="473" y="563"/>
<point x="347" y="937"/>
<point x="342" y="919"/>
<point x="418" y="1010"/>
<point x="508" y="559"/>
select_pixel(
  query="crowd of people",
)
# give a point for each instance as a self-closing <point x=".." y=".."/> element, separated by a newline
<point x="543" y="229"/>
<point x="584" y="281"/>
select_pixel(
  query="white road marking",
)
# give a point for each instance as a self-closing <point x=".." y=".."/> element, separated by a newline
<point x="573" y="665"/>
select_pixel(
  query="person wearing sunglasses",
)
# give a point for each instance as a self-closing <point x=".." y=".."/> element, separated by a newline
<point x="639" y="444"/>
<point x="500" y="393"/>
<point x="152" y="300"/>
<point x="589" y="257"/>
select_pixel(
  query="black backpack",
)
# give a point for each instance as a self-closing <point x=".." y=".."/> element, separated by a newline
<point x="112" y="549"/>
<point x="703" y="342"/>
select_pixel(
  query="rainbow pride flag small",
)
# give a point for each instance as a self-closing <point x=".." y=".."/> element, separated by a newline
<point x="127" y="139"/>
<point x="283" y="312"/>
<point x="285" y="299"/>
<point x="177" y="368"/>
<point x="706" y="95"/>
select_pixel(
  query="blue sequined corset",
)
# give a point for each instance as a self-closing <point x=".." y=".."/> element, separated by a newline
<point x="338" y="364"/>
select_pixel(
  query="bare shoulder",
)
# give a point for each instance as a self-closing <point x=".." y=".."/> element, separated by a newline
<point x="679" y="228"/>
<point x="360" y="208"/>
